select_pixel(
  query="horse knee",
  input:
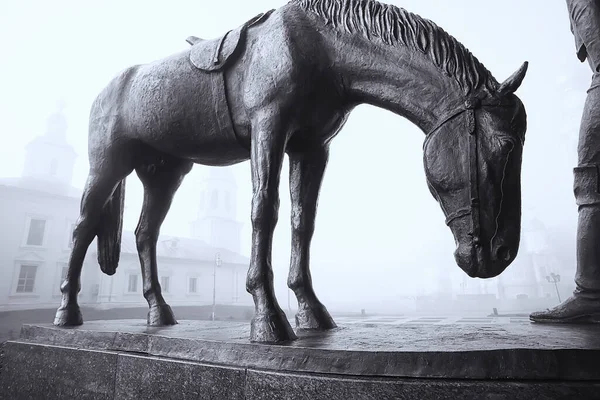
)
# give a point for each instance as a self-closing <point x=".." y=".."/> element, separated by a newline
<point x="265" y="209"/>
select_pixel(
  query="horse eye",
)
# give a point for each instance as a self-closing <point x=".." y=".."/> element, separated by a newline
<point x="505" y="142"/>
<point x="509" y="143"/>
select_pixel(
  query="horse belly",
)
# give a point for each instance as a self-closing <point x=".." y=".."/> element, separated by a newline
<point x="182" y="111"/>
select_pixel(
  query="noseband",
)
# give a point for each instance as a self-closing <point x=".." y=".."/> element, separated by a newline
<point x="473" y="209"/>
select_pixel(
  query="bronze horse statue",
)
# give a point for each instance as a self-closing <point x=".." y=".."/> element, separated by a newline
<point x="285" y="82"/>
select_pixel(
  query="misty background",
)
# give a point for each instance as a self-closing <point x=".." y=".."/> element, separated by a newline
<point x="379" y="233"/>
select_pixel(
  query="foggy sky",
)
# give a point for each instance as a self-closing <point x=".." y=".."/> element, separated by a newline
<point x="376" y="222"/>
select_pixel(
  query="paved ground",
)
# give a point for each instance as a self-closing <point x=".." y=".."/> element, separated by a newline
<point x="432" y="320"/>
<point x="11" y="322"/>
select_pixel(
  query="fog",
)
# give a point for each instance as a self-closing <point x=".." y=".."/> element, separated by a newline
<point x="380" y="239"/>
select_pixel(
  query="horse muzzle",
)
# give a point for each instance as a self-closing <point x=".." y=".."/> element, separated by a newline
<point x="484" y="261"/>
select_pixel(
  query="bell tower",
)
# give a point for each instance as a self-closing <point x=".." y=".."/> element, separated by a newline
<point x="50" y="157"/>
<point x="216" y="223"/>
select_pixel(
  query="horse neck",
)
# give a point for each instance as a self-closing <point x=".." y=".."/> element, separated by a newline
<point x="395" y="78"/>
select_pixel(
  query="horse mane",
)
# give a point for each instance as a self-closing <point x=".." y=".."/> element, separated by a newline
<point x="394" y="25"/>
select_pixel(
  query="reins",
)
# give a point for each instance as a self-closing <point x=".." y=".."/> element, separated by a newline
<point x="473" y="209"/>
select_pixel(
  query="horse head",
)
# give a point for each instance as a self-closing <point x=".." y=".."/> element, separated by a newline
<point x="472" y="163"/>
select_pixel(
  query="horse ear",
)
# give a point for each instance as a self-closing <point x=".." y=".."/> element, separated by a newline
<point x="193" y="40"/>
<point x="514" y="81"/>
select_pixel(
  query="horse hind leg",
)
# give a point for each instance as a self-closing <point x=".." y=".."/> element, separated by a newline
<point x="100" y="186"/>
<point x="161" y="179"/>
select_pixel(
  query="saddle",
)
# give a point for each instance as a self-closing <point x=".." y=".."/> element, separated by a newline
<point x="215" y="54"/>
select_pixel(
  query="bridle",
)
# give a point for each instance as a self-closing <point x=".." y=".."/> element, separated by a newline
<point x="473" y="209"/>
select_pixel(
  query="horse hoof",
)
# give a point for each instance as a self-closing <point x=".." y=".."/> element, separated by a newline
<point x="271" y="328"/>
<point x="68" y="316"/>
<point x="161" y="315"/>
<point x="314" y="318"/>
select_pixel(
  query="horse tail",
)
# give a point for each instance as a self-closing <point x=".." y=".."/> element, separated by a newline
<point x="109" y="231"/>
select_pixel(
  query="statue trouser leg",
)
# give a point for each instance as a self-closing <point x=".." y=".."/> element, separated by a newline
<point x="584" y="305"/>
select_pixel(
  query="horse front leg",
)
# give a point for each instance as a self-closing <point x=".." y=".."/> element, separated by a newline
<point x="306" y="174"/>
<point x="269" y="324"/>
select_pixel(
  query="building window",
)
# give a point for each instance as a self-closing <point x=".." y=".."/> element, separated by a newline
<point x="214" y="201"/>
<point x="35" y="235"/>
<point x="26" y="279"/>
<point x="193" y="285"/>
<point x="132" y="287"/>
<point x="164" y="284"/>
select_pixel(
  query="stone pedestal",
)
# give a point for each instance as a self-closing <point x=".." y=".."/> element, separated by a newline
<point x="214" y="360"/>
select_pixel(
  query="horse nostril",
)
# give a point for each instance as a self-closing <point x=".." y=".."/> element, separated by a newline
<point x="503" y="253"/>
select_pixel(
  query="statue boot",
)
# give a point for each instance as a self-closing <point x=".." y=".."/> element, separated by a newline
<point x="584" y="305"/>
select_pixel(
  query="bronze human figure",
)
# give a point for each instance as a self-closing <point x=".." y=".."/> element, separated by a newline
<point x="584" y="305"/>
<point x="285" y="82"/>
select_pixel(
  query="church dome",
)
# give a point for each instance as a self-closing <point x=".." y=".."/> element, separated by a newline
<point x="56" y="125"/>
<point x="49" y="157"/>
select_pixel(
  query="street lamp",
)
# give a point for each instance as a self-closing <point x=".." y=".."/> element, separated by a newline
<point x="554" y="278"/>
<point x="218" y="263"/>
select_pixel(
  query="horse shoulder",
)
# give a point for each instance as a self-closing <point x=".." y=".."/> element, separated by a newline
<point x="274" y="65"/>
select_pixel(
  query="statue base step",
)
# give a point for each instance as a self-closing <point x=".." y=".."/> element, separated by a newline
<point x="126" y="359"/>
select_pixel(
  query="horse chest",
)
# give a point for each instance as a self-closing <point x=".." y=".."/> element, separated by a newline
<point x="326" y="128"/>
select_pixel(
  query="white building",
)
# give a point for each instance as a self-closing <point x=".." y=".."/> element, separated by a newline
<point x="38" y="212"/>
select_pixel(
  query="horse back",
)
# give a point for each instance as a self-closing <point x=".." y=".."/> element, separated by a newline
<point x="216" y="54"/>
<point x="172" y="106"/>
